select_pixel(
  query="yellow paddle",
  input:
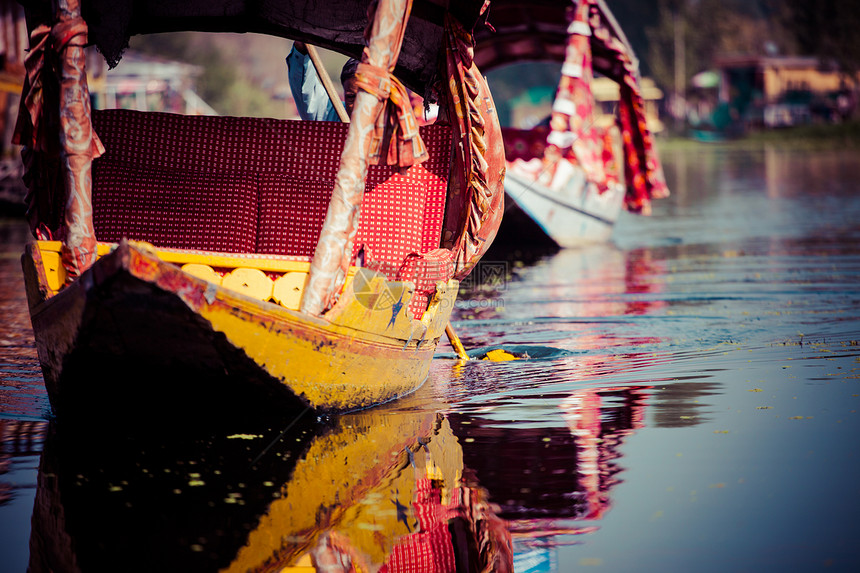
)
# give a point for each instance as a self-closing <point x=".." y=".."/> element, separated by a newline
<point x="455" y="342"/>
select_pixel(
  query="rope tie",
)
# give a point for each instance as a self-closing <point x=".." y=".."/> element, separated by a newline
<point x="396" y="140"/>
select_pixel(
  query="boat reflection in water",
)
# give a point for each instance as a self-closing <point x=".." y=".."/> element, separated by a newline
<point x="378" y="490"/>
<point x="541" y="436"/>
<point x="550" y="480"/>
<point x="396" y="488"/>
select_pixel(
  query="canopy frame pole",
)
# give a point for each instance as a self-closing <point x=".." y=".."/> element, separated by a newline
<point x="77" y="141"/>
<point x="327" y="83"/>
<point x="333" y="252"/>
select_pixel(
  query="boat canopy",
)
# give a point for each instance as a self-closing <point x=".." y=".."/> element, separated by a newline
<point x="423" y="44"/>
<point x="585" y="37"/>
<point x="538" y="30"/>
<point x="338" y="25"/>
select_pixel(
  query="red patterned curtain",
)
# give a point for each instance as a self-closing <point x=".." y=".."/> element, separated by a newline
<point x="642" y="169"/>
<point x="476" y="201"/>
<point x="56" y="80"/>
<point x="573" y="136"/>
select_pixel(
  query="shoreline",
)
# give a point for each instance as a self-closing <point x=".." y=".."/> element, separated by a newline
<point x="805" y="137"/>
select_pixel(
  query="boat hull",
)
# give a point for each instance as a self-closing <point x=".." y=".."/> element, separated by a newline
<point x="572" y="216"/>
<point x="137" y="333"/>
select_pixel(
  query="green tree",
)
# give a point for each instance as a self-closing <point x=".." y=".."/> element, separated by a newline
<point x="636" y="17"/>
<point x="827" y="29"/>
<point x="238" y="70"/>
<point x="689" y="33"/>
<point x="705" y="29"/>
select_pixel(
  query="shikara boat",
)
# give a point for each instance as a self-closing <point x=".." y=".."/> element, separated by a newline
<point x="569" y="180"/>
<point x="239" y="264"/>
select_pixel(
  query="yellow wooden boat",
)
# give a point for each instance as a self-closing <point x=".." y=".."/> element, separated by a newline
<point x="209" y="335"/>
<point x="243" y="263"/>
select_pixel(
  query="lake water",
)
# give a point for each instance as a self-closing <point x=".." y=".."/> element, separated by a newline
<point x="690" y="403"/>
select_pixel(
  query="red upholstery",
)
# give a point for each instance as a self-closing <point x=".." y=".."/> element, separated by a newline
<point x="524" y="143"/>
<point x="249" y="185"/>
<point x="292" y="211"/>
<point x="431" y="548"/>
<point x="405" y="210"/>
<point x="401" y="213"/>
<point x="179" y="209"/>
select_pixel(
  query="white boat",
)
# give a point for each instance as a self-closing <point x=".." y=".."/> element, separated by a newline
<point x="570" y="210"/>
<point x="574" y="173"/>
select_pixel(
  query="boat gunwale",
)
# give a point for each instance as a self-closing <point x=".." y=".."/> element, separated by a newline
<point x="538" y="189"/>
<point x="327" y="325"/>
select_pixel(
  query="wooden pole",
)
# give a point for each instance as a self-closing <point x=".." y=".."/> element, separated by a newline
<point x="331" y="259"/>
<point x="327" y="83"/>
<point x="329" y="88"/>
<point x="455" y="342"/>
<point x="79" y="144"/>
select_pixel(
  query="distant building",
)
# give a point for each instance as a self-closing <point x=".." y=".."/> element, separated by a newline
<point x="775" y="91"/>
<point x="606" y="94"/>
<point x="14" y="42"/>
<point x="146" y="83"/>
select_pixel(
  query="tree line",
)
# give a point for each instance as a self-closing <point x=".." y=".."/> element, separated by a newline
<point x="703" y="29"/>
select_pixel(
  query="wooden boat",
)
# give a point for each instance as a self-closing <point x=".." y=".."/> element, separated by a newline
<point x="574" y="176"/>
<point x="241" y="263"/>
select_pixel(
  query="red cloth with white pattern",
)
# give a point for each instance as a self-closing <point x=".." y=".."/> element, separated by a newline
<point x="251" y="185"/>
<point x="525" y="144"/>
<point x="430" y="549"/>
<point x="575" y="138"/>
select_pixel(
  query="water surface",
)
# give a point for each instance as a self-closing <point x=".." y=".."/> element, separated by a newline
<point x="689" y="403"/>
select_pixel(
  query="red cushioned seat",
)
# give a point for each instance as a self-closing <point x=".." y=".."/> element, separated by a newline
<point x="401" y="215"/>
<point x="524" y="144"/>
<point x="211" y="212"/>
<point x="261" y="186"/>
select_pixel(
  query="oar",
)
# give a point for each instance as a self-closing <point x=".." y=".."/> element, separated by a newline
<point x="327" y="83"/>
<point x="455" y="342"/>
<point x="341" y="112"/>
